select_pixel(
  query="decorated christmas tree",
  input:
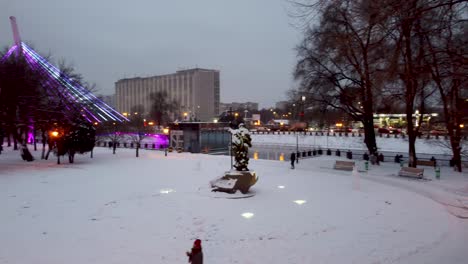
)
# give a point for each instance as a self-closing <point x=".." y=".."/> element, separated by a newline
<point x="241" y="141"/>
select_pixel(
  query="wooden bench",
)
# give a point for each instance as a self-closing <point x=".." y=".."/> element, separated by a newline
<point x="426" y="163"/>
<point x="411" y="172"/>
<point x="344" y="165"/>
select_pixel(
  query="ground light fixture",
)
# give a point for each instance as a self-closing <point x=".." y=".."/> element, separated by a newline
<point x="247" y="215"/>
<point x="166" y="191"/>
<point x="300" y="202"/>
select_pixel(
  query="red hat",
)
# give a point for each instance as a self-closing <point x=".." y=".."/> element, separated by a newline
<point x="197" y="243"/>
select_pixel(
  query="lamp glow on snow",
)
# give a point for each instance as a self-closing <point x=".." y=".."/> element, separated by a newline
<point x="166" y="191"/>
<point x="281" y="157"/>
<point x="247" y="215"/>
<point x="300" y="202"/>
<point x="281" y="187"/>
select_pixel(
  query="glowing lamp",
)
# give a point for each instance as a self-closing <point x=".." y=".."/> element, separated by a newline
<point x="339" y="124"/>
<point x="247" y="215"/>
<point x="54" y="133"/>
<point x="300" y="202"/>
<point x="166" y="130"/>
<point x="150" y="123"/>
<point x="281" y="157"/>
<point x="462" y="125"/>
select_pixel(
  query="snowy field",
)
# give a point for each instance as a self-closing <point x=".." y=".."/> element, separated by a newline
<point x="427" y="146"/>
<point x="122" y="209"/>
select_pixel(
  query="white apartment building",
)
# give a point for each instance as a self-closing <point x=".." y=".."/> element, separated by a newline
<point x="196" y="90"/>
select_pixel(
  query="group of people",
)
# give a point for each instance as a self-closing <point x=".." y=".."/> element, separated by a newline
<point x="398" y="158"/>
<point x="376" y="158"/>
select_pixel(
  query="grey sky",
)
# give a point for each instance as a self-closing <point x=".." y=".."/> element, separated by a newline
<point x="250" y="41"/>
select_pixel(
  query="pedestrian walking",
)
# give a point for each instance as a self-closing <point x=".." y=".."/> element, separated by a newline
<point x="195" y="255"/>
<point x="292" y="158"/>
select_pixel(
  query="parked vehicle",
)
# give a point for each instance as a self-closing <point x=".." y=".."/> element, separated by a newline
<point x="438" y="132"/>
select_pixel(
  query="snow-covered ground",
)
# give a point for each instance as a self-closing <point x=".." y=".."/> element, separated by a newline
<point x="122" y="209"/>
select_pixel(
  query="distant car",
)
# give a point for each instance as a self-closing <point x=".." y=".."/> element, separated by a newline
<point x="438" y="132"/>
<point x="260" y="128"/>
<point x="395" y="131"/>
<point x="382" y="130"/>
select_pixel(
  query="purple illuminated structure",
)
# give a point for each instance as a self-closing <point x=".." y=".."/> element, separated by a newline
<point x="58" y="85"/>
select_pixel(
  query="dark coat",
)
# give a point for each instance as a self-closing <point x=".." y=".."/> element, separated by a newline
<point x="293" y="156"/>
<point x="196" y="256"/>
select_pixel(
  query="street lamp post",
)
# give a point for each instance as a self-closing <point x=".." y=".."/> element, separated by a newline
<point x="303" y="98"/>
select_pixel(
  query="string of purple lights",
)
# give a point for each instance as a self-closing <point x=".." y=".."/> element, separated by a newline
<point x="92" y="108"/>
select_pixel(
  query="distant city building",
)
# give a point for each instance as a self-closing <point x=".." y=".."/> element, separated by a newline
<point x="282" y="105"/>
<point x="196" y="90"/>
<point x="251" y="106"/>
<point x="108" y="99"/>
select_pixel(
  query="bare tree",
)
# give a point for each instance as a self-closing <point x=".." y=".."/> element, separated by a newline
<point x="342" y="59"/>
<point x="161" y="107"/>
<point x="447" y="60"/>
<point x="412" y="22"/>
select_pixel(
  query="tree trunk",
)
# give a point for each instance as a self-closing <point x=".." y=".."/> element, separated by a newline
<point x="9" y="138"/>
<point x="113" y="148"/>
<point x="369" y="136"/>
<point x="43" y="145"/>
<point x="411" y="138"/>
<point x="137" y="148"/>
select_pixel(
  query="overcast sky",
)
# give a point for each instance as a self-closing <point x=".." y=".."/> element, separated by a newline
<point x="250" y="41"/>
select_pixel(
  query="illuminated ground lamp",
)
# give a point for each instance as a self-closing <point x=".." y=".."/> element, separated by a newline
<point x="300" y="202"/>
<point x="247" y="215"/>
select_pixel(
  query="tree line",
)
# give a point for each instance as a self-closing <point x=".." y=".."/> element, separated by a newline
<point x="34" y="104"/>
<point x="357" y="55"/>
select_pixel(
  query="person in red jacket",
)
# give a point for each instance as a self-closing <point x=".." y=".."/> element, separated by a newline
<point x="196" y="255"/>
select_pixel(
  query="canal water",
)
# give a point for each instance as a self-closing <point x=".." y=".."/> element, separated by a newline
<point x="282" y="153"/>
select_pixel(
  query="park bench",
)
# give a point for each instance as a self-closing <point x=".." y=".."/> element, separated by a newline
<point x="411" y="172"/>
<point x="344" y="165"/>
<point x="426" y="163"/>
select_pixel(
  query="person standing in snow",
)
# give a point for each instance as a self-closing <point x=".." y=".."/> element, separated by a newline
<point x="196" y="255"/>
<point x="292" y="158"/>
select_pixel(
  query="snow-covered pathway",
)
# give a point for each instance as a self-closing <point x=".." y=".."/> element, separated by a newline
<point x="120" y="209"/>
